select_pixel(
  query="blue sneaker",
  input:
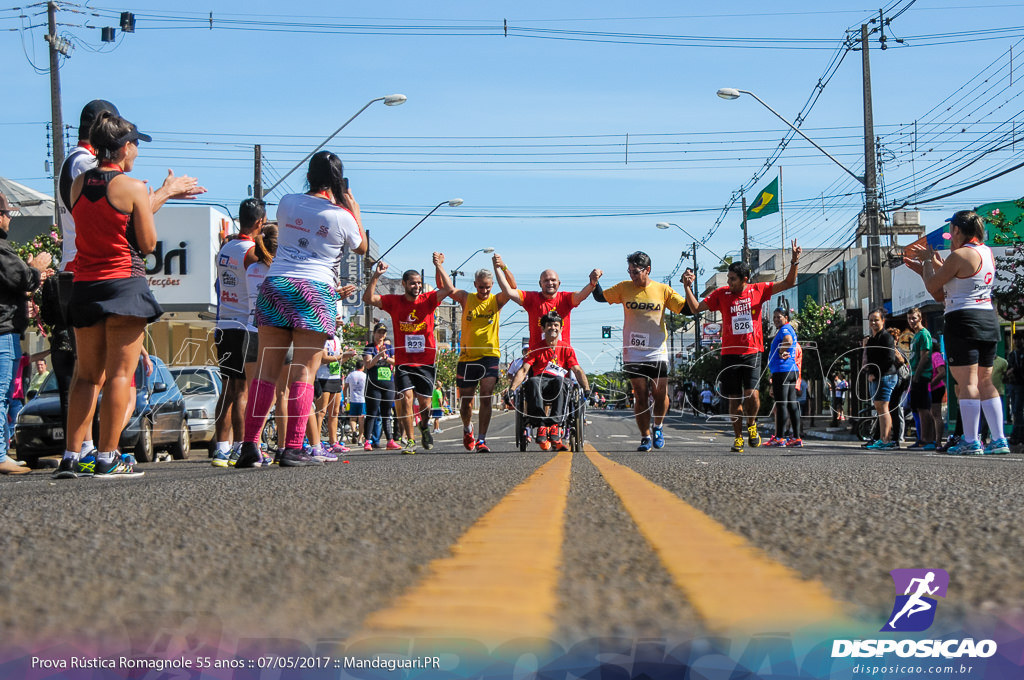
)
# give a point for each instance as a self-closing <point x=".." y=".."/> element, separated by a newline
<point x="86" y="466"/>
<point x="221" y="459"/>
<point x="122" y="466"/>
<point x="659" y="438"/>
<point x="997" y="447"/>
<point x="645" y="444"/>
<point x="875" y="445"/>
<point x="966" y="448"/>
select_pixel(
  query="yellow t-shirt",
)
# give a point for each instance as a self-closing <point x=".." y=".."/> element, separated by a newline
<point x="480" y="328"/>
<point x="643" y="326"/>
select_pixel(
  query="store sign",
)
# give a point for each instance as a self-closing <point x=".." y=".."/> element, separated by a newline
<point x="181" y="270"/>
<point x="833" y="285"/>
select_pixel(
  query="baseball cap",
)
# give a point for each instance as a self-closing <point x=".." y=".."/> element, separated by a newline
<point x="379" y="327"/>
<point x="91" y="112"/>
<point x="6" y="206"/>
<point x="133" y="135"/>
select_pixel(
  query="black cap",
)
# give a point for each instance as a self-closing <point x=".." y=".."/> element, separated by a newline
<point x="379" y="327"/>
<point x="91" y="112"/>
<point x="132" y="135"/>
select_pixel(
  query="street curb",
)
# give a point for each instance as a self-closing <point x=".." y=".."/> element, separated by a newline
<point x="830" y="436"/>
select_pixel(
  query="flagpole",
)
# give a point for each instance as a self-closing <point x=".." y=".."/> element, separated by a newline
<point x="782" y="219"/>
<point x="746" y="244"/>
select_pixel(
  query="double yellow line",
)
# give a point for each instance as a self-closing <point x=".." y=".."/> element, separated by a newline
<point x="501" y="581"/>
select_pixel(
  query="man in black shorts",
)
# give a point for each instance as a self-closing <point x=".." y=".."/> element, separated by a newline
<point x="479" y="354"/>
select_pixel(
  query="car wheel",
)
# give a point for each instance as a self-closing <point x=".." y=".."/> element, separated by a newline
<point x="181" y="447"/>
<point x="144" y="444"/>
<point x="31" y="461"/>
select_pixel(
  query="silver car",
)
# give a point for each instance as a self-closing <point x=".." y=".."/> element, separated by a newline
<point x="201" y="386"/>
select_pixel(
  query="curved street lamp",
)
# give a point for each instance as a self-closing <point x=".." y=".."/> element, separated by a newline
<point x="457" y="271"/>
<point x="389" y="100"/>
<point x="453" y="203"/>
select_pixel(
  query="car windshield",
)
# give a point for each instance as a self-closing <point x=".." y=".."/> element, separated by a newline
<point x="194" y="381"/>
<point x="50" y="385"/>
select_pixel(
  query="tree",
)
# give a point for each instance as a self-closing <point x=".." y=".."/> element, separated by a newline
<point x="822" y="328"/>
<point x="1009" y="290"/>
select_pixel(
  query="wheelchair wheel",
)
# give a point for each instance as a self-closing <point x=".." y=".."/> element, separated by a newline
<point x="520" y="425"/>
<point x="578" y="423"/>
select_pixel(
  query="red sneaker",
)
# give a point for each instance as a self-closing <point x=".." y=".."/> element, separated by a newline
<point x="481" y="447"/>
<point x="542" y="439"/>
<point x="468" y="440"/>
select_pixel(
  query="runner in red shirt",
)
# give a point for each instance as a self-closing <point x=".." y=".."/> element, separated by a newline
<point x="412" y="319"/>
<point x="537" y="304"/>
<point x="548" y="369"/>
<point x="742" y="340"/>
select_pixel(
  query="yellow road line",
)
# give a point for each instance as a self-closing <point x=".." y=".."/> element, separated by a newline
<point x="501" y="582"/>
<point x="733" y="585"/>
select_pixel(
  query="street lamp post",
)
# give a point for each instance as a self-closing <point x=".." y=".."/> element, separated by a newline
<point x="456" y="272"/>
<point x="389" y="100"/>
<point x="868" y="181"/>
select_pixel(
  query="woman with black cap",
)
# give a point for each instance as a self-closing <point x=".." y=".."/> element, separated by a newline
<point x="379" y="360"/>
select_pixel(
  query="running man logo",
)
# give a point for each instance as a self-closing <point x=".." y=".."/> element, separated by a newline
<point x="914" y="607"/>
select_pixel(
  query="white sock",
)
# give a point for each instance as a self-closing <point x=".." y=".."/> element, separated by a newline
<point x="970" y="411"/>
<point x="993" y="410"/>
<point x="106" y="456"/>
<point x="467" y="428"/>
<point x="71" y="454"/>
<point x="87" y="446"/>
<point x="223" y="447"/>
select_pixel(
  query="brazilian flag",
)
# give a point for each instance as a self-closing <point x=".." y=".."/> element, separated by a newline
<point x="766" y="203"/>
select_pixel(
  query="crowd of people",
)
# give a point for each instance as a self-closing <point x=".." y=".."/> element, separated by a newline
<point x="278" y="342"/>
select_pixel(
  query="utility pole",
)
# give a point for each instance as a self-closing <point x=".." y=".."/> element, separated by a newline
<point x="257" y="180"/>
<point x="871" y="209"/>
<point x="746" y="243"/>
<point x="57" y="47"/>
<point x="368" y="308"/>
<point x="696" y="317"/>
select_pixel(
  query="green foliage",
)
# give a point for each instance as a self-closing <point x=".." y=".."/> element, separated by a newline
<point x="826" y="328"/>
<point x="48" y="243"/>
<point x="1009" y="296"/>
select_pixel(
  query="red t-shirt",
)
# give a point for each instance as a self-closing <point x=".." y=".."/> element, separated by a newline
<point x="536" y="306"/>
<point x="556" y="361"/>
<point x="741" y="316"/>
<point x="413" y="324"/>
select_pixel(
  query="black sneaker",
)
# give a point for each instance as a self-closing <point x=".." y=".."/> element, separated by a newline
<point x="427" y="438"/>
<point x="121" y="467"/>
<point x="249" y="456"/>
<point x="66" y="469"/>
<point x="297" y="458"/>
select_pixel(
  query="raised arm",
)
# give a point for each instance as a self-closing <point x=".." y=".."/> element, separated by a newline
<point x="691" y="300"/>
<point x="583" y="293"/>
<point x="505" y="280"/>
<point x="181" y="188"/>
<point x="444" y="282"/>
<point x="790" y="279"/>
<point x="370" y="296"/>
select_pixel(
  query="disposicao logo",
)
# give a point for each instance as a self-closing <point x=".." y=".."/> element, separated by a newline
<point x="913" y="610"/>
<point x="915" y="604"/>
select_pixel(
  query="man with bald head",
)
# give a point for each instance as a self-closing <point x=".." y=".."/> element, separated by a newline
<point x="539" y="303"/>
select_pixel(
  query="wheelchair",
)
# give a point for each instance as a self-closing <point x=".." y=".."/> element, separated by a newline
<point x="573" y="422"/>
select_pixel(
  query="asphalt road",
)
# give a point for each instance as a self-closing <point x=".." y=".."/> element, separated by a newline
<point x="448" y="542"/>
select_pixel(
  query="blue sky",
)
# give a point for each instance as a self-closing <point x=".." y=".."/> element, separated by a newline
<point x="531" y="130"/>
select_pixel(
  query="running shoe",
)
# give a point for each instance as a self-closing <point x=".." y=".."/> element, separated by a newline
<point x="542" y="439"/>
<point x="468" y="439"/>
<point x="965" y="448"/>
<point x="775" y="441"/>
<point x="122" y="466"/>
<point x="236" y="451"/>
<point x="393" y="445"/>
<point x="318" y="453"/>
<point x="297" y="458"/>
<point x="555" y="438"/>
<point x="737" y="445"/>
<point x="753" y="437"/>
<point x="645" y="444"/>
<point x="918" y="444"/>
<point x="427" y="437"/>
<point x="481" y="447"/>
<point x="659" y="438"/>
<point x="952" y="441"/>
<point x="997" y="447"/>
<point x="879" y="445"/>
<point x="437" y="430"/>
<point x="86" y="466"/>
<point x="249" y="456"/>
<point x="268" y="460"/>
<point x="930" y="446"/>
<point x="66" y="469"/>
<point x="367" y="446"/>
<point x="340" y="448"/>
<point x="328" y="456"/>
<point x="794" y="442"/>
<point x="409" y="447"/>
<point x="221" y="459"/>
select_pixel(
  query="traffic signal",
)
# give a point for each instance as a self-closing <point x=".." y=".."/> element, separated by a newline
<point x="606" y="332"/>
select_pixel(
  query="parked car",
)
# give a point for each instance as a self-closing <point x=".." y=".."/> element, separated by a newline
<point x="201" y="386"/>
<point x="158" y="420"/>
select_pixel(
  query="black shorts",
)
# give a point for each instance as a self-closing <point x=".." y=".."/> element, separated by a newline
<point x="961" y="352"/>
<point x="94" y="301"/>
<point x="419" y="379"/>
<point x="938" y="394"/>
<point x="921" y="395"/>
<point x="330" y="385"/>
<point x="740" y="372"/>
<point x="469" y="373"/>
<point x="652" y="370"/>
<point x="236" y="347"/>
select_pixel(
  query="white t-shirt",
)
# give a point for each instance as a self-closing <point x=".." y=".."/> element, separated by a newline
<point x="254" y="275"/>
<point x="312" y="235"/>
<point x="232" y="284"/>
<point x="332" y="346"/>
<point x="356" y="382"/>
<point x="78" y="161"/>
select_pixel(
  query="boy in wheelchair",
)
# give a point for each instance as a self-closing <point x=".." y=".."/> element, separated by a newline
<point x="546" y="372"/>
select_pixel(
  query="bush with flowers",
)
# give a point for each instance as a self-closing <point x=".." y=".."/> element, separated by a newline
<point x="44" y="243"/>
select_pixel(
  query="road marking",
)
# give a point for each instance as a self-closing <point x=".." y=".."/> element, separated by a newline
<point x="501" y="581"/>
<point x="733" y="585"/>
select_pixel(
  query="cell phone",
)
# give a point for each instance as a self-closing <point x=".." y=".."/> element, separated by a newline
<point x="344" y="185"/>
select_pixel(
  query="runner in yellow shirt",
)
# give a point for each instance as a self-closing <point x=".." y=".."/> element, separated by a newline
<point x="478" y="358"/>
<point x="644" y="354"/>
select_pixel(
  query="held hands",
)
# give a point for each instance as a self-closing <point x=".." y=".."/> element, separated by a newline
<point x="688" y="277"/>
<point x="797" y="251"/>
<point x="595" y="275"/>
<point x="438" y="259"/>
<point x="498" y="262"/>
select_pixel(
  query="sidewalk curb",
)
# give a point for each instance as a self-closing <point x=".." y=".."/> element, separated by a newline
<point x="830" y="436"/>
